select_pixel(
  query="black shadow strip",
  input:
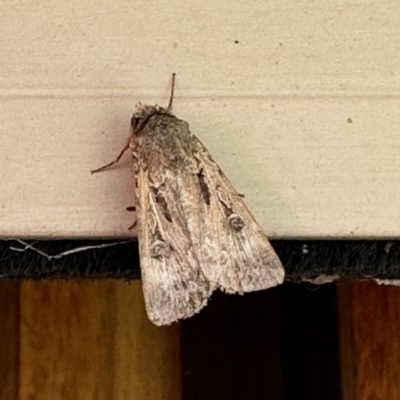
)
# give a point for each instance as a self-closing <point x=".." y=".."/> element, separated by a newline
<point x="350" y="259"/>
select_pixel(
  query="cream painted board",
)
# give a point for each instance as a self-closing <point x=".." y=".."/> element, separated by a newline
<point x="297" y="101"/>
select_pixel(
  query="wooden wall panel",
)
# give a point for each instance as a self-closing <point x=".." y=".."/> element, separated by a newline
<point x="9" y="339"/>
<point x="278" y="344"/>
<point x="369" y="317"/>
<point x="92" y="340"/>
<point x="232" y="349"/>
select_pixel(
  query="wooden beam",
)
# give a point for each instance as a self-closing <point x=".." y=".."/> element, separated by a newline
<point x="369" y="340"/>
<point x="81" y="340"/>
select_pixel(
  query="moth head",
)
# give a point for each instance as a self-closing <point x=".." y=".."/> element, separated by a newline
<point x="142" y="113"/>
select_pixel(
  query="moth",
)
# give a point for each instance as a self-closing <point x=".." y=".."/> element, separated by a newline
<point x="195" y="231"/>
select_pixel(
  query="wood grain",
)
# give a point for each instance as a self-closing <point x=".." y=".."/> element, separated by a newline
<point x="370" y="341"/>
<point x="92" y="340"/>
<point x="273" y="344"/>
<point x="9" y="340"/>
<point x="232" y="349"/>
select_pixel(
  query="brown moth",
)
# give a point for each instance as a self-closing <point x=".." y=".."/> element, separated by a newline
<point x="196" y="234"/>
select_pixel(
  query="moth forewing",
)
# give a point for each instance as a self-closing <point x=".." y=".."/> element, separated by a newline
<point x="195" y="232"/>
<point x="235" y="254"/>
<point x="174" y="286"/>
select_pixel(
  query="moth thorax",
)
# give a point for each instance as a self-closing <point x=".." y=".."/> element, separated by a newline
<point x="160" y="249"/>
<point x="235" y="222"/>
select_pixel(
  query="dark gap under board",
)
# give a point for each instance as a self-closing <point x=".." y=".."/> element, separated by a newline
<point x="302" y="259"/>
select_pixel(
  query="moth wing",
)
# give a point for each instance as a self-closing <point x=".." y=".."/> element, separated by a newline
<point x="240" y="256"/>
<point x="173" y="283"/>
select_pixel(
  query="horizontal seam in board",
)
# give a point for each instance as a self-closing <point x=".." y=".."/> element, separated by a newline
<point x="59" y="94"/>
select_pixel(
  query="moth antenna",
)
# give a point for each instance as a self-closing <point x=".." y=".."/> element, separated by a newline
<point x="171" y="97"/>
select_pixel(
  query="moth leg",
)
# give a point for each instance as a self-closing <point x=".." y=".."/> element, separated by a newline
<point x="126" y="147"/>
<point x="132" y="208"/>
<point x="171" y="97"/>
<point x="133" y="225"/>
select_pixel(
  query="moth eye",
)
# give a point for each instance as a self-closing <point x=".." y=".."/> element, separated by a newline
<point x="236" y="222"/>
<point x="160" y="249"/>
<point x="135" y="121"/>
